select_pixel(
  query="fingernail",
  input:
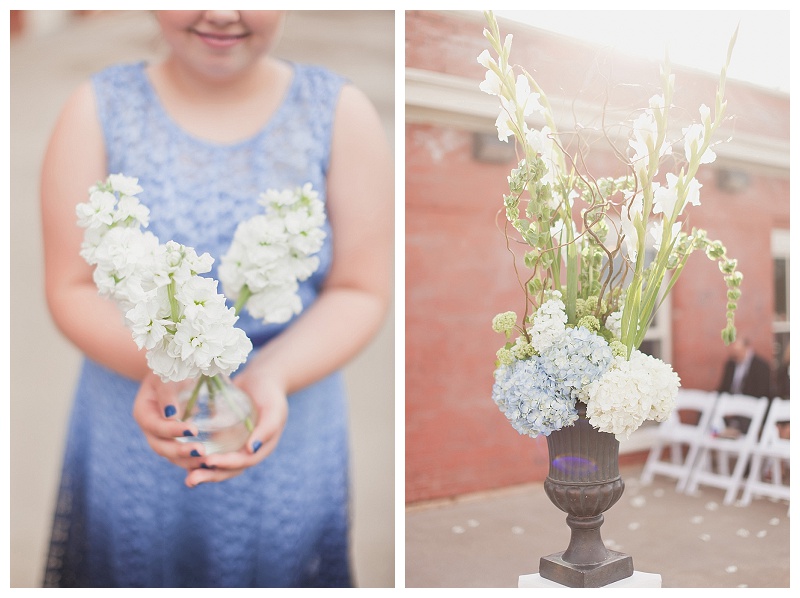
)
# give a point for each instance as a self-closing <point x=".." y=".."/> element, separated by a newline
<point x="194" y="453"/>
<point x="170" y="410"/>
<point x="187" y="433"/>
<point x="204" y="466"/>
<point x="256" y="445"/>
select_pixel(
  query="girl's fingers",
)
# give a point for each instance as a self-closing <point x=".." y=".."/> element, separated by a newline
<point x="206" y="475"/>
<point x="183" y="454"/>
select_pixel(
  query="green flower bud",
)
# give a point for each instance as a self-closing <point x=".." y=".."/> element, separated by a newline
<point x="728" y="266"/>
<point x="534" y="286"/>
<point x="729" y="334"/>
<point x="580" y="308"/>
<point x="734" y="294"/>
<point x="522" y="349"/>
<point x="618" y="349"/>
<point x="734" y="280"/>
<point x="504" y="323"/>
<point x="715" y="250"/>
<point x="590" y="322"/>
<point x="504" y="357"/>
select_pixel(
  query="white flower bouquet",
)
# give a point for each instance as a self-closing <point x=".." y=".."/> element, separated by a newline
<point x="592" y="283"/>
<point x="177" y="315"/>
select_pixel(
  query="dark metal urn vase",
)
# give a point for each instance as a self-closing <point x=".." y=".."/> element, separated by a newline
<point x="584" y="482"/>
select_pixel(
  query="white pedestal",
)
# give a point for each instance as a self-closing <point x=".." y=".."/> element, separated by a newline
<point x="637" y="580"/>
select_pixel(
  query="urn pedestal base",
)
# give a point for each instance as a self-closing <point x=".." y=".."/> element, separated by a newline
<point x="637" y="580"/>
<point x="617" y="566"/>
<point x="584" y="482"/>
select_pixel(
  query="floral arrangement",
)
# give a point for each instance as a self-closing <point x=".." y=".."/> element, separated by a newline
<point x="601" y="254"/>
<point x="172" y="311"/>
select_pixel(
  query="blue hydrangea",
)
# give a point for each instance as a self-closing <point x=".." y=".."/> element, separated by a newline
<point x="530" y="398"/>
<point x="578" y="359"/>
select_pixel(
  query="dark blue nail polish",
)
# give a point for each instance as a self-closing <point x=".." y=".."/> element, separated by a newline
<point x="204" y="466"/>
<point x="170" y="410"/>
<point x="187" y="433"/>
<point x="256" y="446"/>
<point x="194" y="453"/>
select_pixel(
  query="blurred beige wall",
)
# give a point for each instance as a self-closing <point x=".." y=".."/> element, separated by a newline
<point x="53" y="55"/>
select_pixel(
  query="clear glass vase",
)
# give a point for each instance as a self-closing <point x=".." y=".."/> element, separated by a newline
<point x="223" y="414"/>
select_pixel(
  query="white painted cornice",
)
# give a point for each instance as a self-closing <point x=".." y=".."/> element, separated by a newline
<point x="454" y="101"/>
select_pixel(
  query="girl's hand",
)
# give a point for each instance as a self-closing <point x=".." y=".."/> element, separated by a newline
<point x="272" y="409"/>
<point x="155" y="410"/>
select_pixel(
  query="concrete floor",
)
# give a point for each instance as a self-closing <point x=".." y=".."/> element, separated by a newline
<point x="54" y="55"/>
<point x="490" y="539"/>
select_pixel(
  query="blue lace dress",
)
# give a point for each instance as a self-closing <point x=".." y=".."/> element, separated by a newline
<point x="124" y="517"/>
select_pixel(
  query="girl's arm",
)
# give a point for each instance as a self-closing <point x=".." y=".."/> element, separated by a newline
<point x="75" y="160"/>
<point x="354" y="301"/>
<point x="356" y="295"/>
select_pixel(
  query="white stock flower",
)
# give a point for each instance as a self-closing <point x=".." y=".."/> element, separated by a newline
<point x="98" y="212"/>
<point x="172" y="312"/>
<point x="275" y="305"/>
<point x="124" y="185"/>
<point x="129" y="207"/>
<point x="148" y="320"/>
<point x="165" y="360"/>
<point x="123" y="258"/>
<point x="272" y="251"/>
<point x="175" y="262"/>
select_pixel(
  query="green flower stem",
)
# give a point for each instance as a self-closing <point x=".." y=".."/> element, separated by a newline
<point x="244" y="295"/>
<point x="173" y="302"/>
<point x="192" y="399"/>
<point x="215" y="387"/>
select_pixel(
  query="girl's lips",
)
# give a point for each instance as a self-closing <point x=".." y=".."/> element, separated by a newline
<point x="220" y="40"/>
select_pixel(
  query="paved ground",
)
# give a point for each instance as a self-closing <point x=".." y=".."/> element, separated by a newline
<point x="490" y="539"/>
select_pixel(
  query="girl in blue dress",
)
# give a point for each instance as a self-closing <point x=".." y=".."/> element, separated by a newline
<point x="205" y="131"/>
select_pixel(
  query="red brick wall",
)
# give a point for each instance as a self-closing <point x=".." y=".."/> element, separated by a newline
<point x="459" y="274"/>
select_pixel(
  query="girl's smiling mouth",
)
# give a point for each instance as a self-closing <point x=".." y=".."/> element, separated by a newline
<point x="220" y="40"/>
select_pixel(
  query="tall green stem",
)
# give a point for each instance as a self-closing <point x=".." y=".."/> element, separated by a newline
<point x="244" y="295"/>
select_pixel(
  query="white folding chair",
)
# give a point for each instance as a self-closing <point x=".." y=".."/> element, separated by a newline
<point x="773" y="451"/>
<point x="676" y="447"/>
<point x="714" y="443"/>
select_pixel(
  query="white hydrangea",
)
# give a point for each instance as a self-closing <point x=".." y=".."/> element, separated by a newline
<point x="630" y="392"/>
<point x="274" y="250"/>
